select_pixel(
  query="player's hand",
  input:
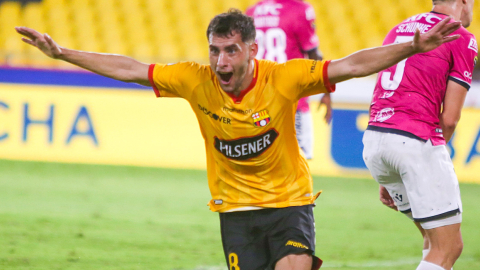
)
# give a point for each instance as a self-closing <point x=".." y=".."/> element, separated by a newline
<point x="386" y="199"/>
<point x="326" y="99"/>
<point x="43" y="42"/>
<point x="436" y="36"/>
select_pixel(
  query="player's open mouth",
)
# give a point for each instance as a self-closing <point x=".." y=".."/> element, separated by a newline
<point x="225" y="77"/>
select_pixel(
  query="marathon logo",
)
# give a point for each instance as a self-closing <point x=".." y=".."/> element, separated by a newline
<point x="296" y="244"/>
<point x="245" y="112"/>
<point x="246" y="148"/>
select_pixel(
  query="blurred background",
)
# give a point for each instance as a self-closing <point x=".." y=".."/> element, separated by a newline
<point x="170" y="31"/>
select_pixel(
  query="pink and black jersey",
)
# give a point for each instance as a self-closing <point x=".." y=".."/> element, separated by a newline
<point x="408" y="96"/>
<point x="285" y="30"/>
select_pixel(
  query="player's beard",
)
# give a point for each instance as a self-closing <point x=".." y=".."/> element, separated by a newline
<point x="242" y="71"/>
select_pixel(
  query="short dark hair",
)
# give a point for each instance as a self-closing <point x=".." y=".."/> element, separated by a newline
<point x="226" y="24"/>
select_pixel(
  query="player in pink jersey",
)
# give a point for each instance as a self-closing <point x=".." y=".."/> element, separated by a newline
<point x="286" y="30"/>
<point x="415" y="108"/>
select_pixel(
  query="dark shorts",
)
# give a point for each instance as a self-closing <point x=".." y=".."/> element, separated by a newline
<point x="256" y="240"/>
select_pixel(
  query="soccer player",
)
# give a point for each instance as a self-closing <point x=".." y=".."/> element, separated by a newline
<point x="286" y="30"/>
<point x="259" y="181"/>
<point x="415" y="108"/>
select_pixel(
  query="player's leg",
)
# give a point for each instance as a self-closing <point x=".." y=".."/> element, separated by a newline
<point x="428" y="185"/>
<point x="291" y="235"/>
<point x="445" y="245"/>
<point x="295" y="262"/>
<point x="382" y="161"/>
<point x="426" y="242"/>
<point x="245" y="248"/>
<point x="434" y="196"/>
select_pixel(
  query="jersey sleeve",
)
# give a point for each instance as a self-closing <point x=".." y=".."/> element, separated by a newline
<point x="305" y="29"/>
<point x="302" y="77"/>
<point x="464" y="55"/>
<point x="176" y="80"/>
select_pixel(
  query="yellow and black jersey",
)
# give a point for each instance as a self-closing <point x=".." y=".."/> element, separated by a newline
<point x="253" y="158"/>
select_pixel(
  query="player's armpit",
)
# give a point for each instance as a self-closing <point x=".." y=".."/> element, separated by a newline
<point x="452" y="108"/>
<point x="315" y="54"/>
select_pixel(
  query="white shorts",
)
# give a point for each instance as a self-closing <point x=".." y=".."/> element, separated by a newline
<point x="418" y="175"/>
<point x="304" y="130"/>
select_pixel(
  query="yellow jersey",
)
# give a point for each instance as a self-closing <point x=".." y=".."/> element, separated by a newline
<point x="253" y="158"/>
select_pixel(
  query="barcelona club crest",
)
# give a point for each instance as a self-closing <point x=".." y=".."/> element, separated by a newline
<point x="261" y="119"/>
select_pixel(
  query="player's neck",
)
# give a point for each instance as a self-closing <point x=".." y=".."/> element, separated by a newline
<point x="453" y="10"/>
<point x="247" y="81"/>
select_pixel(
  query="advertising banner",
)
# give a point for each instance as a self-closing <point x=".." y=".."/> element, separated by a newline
<point x="120" y="126"/>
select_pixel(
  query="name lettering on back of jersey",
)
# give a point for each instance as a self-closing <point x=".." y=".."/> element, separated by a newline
<point x="214" y="116"/>
<point x="246" y="148"/>
<point x="412" y="27"/>
<point x="261" y="119"/>
<point x="472" y="45"/>
<point x="267" y="21"/>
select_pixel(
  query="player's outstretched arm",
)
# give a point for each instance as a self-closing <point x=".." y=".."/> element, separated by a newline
<point x="117" y="67"/>
<point x="369" y="61"/>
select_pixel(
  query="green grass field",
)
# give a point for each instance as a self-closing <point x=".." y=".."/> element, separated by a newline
<point x="62" y="216"/>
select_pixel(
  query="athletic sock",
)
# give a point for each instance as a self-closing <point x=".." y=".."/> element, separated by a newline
<point x="425" y="253"/>
<point x="424" y="265"/>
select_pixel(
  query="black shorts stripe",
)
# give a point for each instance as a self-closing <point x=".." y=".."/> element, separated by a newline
<point x="406" y="211"/>
<point x="462" y="83"/>
<point x="444" y="215"/>
<point x="395" y="131"/>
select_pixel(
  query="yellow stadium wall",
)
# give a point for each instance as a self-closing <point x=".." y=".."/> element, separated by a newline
<point x="132" y="127"/>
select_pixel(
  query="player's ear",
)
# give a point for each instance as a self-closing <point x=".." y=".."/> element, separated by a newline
<point x="253" y="50"/>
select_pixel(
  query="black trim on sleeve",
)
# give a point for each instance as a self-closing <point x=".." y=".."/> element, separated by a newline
<point x="407" y="211"/>
<point x="395" y="131"/>
<point x="444" y="215"/>
<point x="462" y="83"/>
